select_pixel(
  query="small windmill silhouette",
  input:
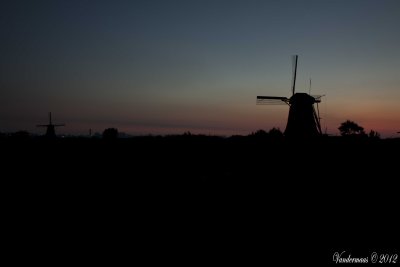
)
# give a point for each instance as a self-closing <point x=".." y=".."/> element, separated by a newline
<point x="50" y="131"/>
<point x="303" y="119"/>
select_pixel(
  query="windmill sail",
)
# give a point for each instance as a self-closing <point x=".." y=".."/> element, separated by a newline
<point x="294" y="66"/>
<point x="272" y="100"/>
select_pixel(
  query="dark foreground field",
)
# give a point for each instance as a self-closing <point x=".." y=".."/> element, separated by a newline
<point x="198" y="199"/>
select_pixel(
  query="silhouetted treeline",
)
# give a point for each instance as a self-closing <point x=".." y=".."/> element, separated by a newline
<point x="210" y="157"/>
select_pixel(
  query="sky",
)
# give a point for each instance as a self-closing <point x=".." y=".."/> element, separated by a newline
<point x="171" y="66"/>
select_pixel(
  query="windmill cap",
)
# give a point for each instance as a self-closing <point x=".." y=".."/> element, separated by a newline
<point x="303" y="98"/>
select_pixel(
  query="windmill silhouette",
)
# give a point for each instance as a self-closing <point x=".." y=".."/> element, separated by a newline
<point x="303" y="119"/>
<point x="50" y="131"/>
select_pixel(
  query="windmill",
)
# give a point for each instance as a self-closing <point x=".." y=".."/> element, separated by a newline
<point x="50" y="132"/>
<point x="303" y="119"/>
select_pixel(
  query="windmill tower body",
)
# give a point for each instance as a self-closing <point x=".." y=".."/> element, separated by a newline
<point x="303" y="120"/>
<point x="50" y="128"/>
<point x="50" y="131"/>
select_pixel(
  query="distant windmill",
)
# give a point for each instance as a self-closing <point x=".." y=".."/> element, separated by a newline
<point x="303" y="119"/>
<point x="50" y="132"/>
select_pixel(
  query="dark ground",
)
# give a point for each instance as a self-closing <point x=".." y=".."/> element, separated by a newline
<point x="198" y="199"/>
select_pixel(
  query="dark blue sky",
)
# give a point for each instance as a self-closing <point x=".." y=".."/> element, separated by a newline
<point x="172" y="66"/>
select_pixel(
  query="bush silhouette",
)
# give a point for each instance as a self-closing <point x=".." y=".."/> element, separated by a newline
<point x="374" y="135"/>
<point x="275" y="133"/>
<point x="110" y="134"/>
<point x="260" y="133"/>
<point x="350" y="128"/>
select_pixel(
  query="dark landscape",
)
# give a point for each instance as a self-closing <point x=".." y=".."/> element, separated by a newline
<point x="197" y="196"/>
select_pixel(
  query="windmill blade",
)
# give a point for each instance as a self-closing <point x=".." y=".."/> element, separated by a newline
<point x="57" y="125"/>
<point x="272" y="100"/>
<point x="294" y="70"/>
<point x="272" y="97"/>
<point x="317" y="119"/>
<point x="317" y="98"/>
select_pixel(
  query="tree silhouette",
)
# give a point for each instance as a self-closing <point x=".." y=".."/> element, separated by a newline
<point x="110" y="134"/>
<point x="350" y="128"/>
<point x="374" y="135"/>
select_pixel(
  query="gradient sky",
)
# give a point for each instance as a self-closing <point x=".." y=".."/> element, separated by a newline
<point x="169" y="66"/>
